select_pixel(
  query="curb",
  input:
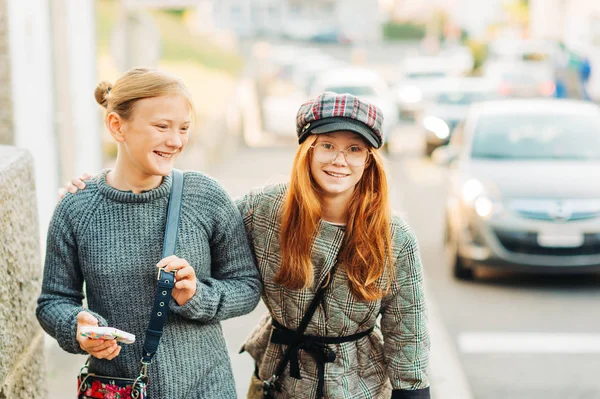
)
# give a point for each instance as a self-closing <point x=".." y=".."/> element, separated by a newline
<point x="448" y="380"/>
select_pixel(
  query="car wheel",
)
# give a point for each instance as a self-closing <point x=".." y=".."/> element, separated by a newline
<point x="459" y="270"/>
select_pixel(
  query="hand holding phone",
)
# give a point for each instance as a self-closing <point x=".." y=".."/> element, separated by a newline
<point x="100" y="349"/>
<point x="107" y="333"/>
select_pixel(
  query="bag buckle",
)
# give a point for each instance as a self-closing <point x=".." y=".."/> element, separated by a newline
<point x="144" y="369"/>
<point x="162" y="270"/>
<point x="270" y="384"/>
<point x="142" y="378"/>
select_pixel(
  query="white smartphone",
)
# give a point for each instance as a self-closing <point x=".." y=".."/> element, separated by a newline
<point x="94" y="332"/>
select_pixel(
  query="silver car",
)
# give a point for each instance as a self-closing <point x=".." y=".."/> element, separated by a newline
<point x="450" y="107"/>
<point x="525" y="187"/>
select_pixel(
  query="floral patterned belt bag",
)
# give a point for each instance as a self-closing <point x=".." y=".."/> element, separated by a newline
<point x="96" y="386"/>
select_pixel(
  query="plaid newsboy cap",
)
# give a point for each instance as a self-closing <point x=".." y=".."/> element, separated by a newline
<point x="331" y="112"/>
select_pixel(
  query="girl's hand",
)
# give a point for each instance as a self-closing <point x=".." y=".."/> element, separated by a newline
<point x="99" y="348"/>
<point x="74" y="185"/>
<point x="185" y="277"/>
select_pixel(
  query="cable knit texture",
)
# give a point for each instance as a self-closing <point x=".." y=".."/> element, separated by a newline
<point x="112" y="241"/>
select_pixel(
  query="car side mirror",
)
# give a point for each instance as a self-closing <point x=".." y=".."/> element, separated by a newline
<point x="444" y="155"/>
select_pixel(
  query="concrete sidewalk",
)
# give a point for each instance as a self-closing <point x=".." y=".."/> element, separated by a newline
<point x="447" y="378"/>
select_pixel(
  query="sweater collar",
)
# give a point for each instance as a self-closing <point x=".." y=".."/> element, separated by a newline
<point x="129" y="196"/>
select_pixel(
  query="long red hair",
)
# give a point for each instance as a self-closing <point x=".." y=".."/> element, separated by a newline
<point x="367" y="244"/>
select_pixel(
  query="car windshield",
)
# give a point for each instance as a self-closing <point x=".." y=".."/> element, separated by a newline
<point x="354" y="90"/>
<point x="526" y="75"/>
<point x="426" y="75"/>
<point x="537" y="136"/>
<point x="462" y="98"/>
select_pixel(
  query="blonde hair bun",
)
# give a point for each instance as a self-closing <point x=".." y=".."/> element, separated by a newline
<point x="101" y="92"/>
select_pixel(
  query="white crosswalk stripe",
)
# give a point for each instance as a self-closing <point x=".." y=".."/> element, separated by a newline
<point x="514" y="342"/>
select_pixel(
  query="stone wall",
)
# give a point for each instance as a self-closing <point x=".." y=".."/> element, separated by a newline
<point x="22" y="360"/>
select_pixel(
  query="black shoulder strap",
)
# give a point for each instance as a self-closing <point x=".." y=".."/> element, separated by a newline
<point x="166" y="281"/>
<point x="304" y="323"/>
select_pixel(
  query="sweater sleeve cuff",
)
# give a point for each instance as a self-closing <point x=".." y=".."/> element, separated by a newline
<point x="192" y="309"/>
<point x="411" y="394"/>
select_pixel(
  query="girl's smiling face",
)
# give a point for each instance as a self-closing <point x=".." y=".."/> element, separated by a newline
<point x="155" y="135"/>
<point x="337" y="178"/>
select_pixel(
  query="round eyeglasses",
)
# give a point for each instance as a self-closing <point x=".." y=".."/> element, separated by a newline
<point x="355" y="155"/>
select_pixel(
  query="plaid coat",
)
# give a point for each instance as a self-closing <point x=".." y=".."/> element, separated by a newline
<point x="393" y="357"/>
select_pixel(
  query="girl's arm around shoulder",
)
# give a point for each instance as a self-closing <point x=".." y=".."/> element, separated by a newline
<point x="62" y="287"/>
<point x="404" y="319"/>
<point x="234" y="286"/>
<point x="250" y="202"/>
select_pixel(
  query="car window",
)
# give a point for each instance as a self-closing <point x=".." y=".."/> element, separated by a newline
<point x="462" y="98"/>
<point x="425" y="75"/>
<point x="354" y="90"/>
<point x="537" y="136"/>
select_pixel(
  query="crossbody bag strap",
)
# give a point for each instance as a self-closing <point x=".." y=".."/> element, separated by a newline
<point x="166" y="281"/>
<point x="270" y="384"/>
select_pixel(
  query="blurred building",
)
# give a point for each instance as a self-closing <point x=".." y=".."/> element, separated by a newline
<point x="49" y="63"/>
<point x="473" y="16"/>
<point x="295" y="19"/>
<point x="573" y="21"/>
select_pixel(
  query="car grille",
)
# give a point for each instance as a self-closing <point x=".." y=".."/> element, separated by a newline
<point x="542" y="215"/>
<point x="526" y="243"/>
<point x="556" y="210"/>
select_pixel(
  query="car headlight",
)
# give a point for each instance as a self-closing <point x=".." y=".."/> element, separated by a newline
<point x="484" y="207"/>
<point x="475" y="197"/>
<point x="437" y="126"/>
<point x="410" y="94"/>
<point x="471" y="190"/>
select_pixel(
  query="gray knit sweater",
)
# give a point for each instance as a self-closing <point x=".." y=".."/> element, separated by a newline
<point x="112" y="241"/>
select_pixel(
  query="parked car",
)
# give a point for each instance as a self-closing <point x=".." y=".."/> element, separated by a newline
<point x="286" y="90"/>
<point x="459" y="59"/>
<point x="421" y="77"/>
<point x="279" y="114"/>
<point x="364" y="83"/>
<point x="449" y="108"/>
<point x="331" y="36"/>
<point x="524" y="79"/>
<point x="524" y="193"/>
